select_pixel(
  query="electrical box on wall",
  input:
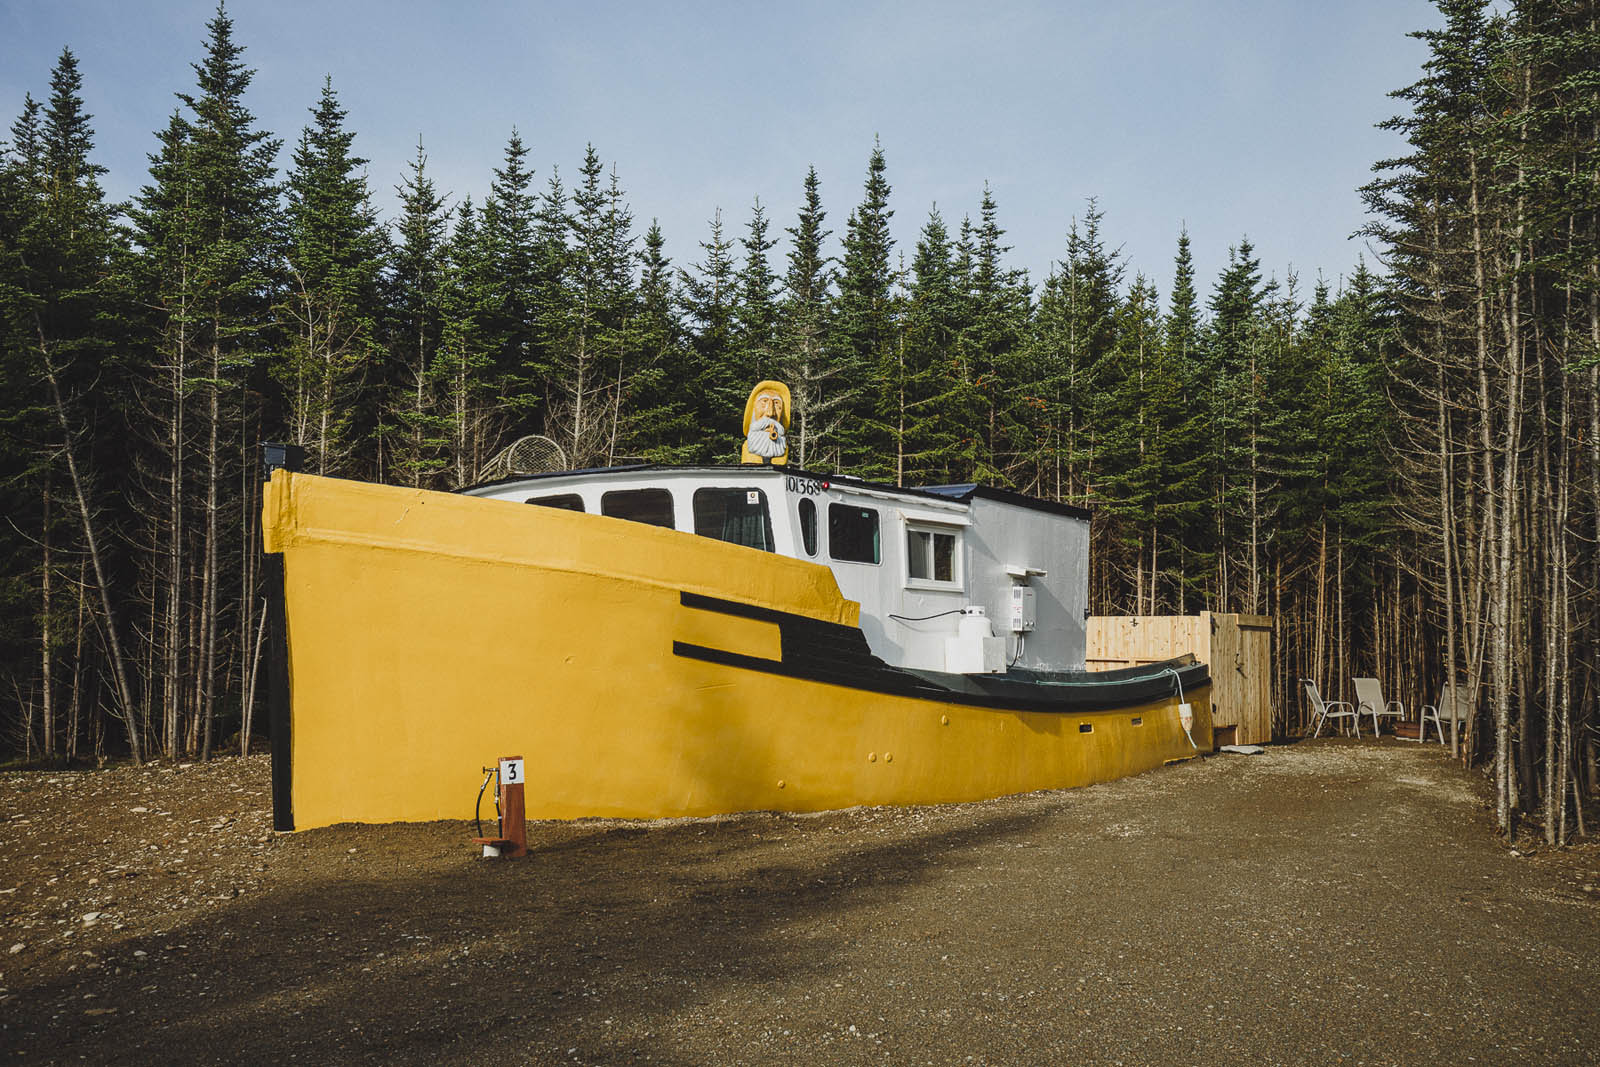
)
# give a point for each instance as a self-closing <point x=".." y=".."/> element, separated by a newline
<point x="1023" y="614"/>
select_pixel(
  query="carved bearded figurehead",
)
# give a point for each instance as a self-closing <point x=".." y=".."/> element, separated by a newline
<point x="766" y="425"/>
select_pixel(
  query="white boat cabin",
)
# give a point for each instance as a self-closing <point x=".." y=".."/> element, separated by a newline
<point x="959" y="578"/>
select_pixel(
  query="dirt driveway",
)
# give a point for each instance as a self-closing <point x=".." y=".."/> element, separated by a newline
<point x="1328" y="902"/>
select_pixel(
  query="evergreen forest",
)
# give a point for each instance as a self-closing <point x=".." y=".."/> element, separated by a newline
<point x="1401" y="467"/>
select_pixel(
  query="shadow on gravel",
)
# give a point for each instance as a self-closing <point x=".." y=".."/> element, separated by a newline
<point x="587" y="946"/>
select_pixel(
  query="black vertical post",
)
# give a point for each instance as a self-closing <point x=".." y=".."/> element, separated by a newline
<point x="288" y="457"/>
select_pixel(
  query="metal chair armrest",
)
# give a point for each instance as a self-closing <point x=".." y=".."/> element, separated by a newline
<point x="1338" y="704"/>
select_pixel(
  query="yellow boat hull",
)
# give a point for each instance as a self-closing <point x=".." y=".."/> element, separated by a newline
<point x="640" y="672"/>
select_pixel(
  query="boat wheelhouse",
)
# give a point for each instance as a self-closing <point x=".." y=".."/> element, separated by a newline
<point x="929" y="567"/>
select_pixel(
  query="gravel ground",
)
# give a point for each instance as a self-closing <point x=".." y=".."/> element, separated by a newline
<point x="1327" y="902"/>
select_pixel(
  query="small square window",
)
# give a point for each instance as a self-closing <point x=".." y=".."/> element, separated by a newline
<point x="650" y="506"/>
<point x="931" y="555"/>
<point x="738" y="516"/>
<point x="563" y="501"/>
<point x="853" y="534"/>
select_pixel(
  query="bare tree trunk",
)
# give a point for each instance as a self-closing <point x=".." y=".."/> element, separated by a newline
<point x="249" y="704"/>
<point x="172" y="662"/>
<point x="74" y="703"/>
<point x="1446" y="546"/>
<point x="1493" y="573"/>
<point x="579" y="443"/>
<point x="900" y="416"/>
<point x="1551" y="534"/>
<point x="1558" y="756"/>
<point x="461" y="414"/>
<point x="127" y="706"/>
<point x="249" y="555"/>
<point x="208" y="574"/>
<point x="616" y="405"/>
<point x="420" y="405"/>
<point x="1320" y="640"/>
<point x="47" y="633"/>
<point x="1254" y="606"/>
<point x="1343" y="638"/>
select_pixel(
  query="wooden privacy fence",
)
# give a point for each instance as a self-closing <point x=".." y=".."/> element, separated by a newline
<point x="1238" y="648"/>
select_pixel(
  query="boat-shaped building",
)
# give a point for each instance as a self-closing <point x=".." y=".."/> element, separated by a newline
<point x="680" y="641"/>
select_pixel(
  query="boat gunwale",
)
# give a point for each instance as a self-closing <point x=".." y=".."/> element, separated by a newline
<point x="849" y="663"/>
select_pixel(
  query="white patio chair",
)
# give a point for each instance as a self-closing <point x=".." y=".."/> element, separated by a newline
<point x="1323" y="710"/>
<point x="1369" y="701"/>
<point x="1450" y="709"/>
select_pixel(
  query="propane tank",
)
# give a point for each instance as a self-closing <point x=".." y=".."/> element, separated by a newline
<point x="974" y="649"/>
<point x="974" y="623"/>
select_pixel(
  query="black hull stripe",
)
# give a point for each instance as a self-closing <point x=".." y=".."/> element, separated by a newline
<point x="834" y="654"/>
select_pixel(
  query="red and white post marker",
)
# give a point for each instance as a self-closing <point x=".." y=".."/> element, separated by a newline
<point x="513" y="839"/>
<point x="513" y="816"/>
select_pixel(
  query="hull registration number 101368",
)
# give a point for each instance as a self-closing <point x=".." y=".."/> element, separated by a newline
<point x="803" y="486"/>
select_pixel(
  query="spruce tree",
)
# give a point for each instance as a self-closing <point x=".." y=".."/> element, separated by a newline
<point x="863" y="327"/>
<point x="1000" y="305"/>
<point x="1185" y="491"/>
<point x="961" y="453"/>
<point x="510" y="291"/>
<point x="709" y="297"/>
<point x="415" y="288"/>
<point x="630" y="327"/>
<point x="1357" y="424"/>
<point x="936" y="436"/>
<point x="806" y="365"/>
<point x="165" y="274"/>
<point x="1132" y="451"/>
<point x="756" y="318"/>
<point x="60" y="300"/>
<point x="660" y="425"/>
<point x="469" y="341"/>
<point x="25" y="654"/>
<point x="237" y="273"/>
<point x="552" y="291"/>
<point x="1072" y="371"/>
<point x="1268" y="397"/>
<point x="591" y="362"/>
<point x="1232" y="352"/>
<point x="330" y="311"/>
<point x="923" y="436"/>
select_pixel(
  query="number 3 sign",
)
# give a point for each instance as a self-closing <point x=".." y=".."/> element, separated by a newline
<point x="511" y="772"/>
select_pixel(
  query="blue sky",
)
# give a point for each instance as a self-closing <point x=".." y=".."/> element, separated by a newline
<point x="1238" y="117"/>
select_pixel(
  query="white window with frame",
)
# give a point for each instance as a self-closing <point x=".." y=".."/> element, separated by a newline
<point x="933" y="556"/>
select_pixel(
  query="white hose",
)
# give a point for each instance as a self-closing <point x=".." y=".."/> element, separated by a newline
<point x="1186" y="732"/>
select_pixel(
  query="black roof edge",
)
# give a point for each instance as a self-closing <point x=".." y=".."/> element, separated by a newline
<point x="960" y="493"/>
<point x="511" y="479"/>
<point x="1006" y="496"/>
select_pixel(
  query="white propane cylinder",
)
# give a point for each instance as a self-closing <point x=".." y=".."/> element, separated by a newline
<point x="974" y="649"/>
<point x="974" y="624"/>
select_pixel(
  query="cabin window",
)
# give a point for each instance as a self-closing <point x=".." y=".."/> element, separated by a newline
<point x="737" y="516"/>
<point x="564" y="501"/>
<point x="853" y="534"/>
<point x="931" y="555"/>
<point x="808" y="525"/>
<point x="650" y="506"/>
